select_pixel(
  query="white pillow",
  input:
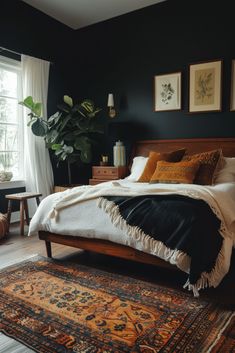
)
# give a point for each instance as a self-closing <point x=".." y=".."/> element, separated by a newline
<point x="227" y="173"/>
<point x="137" y="168"/>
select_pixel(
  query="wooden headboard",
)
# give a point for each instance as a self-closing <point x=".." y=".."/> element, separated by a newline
<point x="227" y="145"/>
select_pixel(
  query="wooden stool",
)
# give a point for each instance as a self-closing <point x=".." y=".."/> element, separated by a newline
<point x="22" y="197"/>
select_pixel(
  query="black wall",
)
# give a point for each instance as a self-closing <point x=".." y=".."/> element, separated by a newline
<point x="4" y="201"/>
<point x="28" y="31"/>
<point x="31" y="32"/>
<point x="123" y="54"/>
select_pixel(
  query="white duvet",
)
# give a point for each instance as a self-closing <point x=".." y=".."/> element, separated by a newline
<point x="79" y="212"/>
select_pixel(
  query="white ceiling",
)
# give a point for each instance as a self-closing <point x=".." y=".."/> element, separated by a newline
<point x="81" y="13"/>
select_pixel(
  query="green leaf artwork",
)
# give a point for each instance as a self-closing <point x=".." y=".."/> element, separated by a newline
<point x="167" y="92"/>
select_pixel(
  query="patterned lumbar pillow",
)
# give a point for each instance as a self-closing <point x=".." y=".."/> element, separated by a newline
<point x="210" y="162"/>
<point x="175" y="173"/>
<point x="155" y="157"/>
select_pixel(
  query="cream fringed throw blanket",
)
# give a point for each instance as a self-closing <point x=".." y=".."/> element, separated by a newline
<point x="213" y="198"/>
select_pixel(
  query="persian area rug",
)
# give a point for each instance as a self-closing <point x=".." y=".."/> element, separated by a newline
<point x="57" y="307"/>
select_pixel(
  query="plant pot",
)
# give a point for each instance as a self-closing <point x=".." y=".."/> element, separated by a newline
<point x="5" y="176"/>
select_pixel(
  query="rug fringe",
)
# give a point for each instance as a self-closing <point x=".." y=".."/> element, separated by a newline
<point x="223" y="328"/>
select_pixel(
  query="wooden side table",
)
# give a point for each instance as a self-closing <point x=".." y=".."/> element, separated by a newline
<point x="22" y="197"/>
<point x="94" y="181"/>
<point x="59" y="188"/>
<point x="101" y="174"/>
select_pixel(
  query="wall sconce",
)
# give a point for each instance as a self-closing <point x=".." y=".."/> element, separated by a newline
<point x="112" y="112"/>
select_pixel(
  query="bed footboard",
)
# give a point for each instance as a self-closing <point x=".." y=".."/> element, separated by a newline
<point x="103" y="247"/>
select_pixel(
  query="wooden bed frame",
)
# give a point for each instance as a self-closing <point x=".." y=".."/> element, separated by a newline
<point x="141" y="148"/>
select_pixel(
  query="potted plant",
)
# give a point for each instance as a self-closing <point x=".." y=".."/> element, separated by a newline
<point x="70" y="132"/>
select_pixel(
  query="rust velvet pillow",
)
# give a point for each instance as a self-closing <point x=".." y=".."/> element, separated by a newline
<point x="210" y="162"/>
<point x="175" y="173"/>
<point x="155" y="157"/>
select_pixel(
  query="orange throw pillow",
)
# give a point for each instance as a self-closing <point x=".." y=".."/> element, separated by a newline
<point x="175" y="173"/>
<point x="210" y="162"/>
<point x="154" y="158"/>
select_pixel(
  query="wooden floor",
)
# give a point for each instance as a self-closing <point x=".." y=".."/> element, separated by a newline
<point x="15" y="247"/>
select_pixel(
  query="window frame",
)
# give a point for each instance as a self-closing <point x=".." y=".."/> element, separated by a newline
<point x="15" y="66"/>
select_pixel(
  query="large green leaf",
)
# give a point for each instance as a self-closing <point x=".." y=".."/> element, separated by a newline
<point x="68" y="149"/>
<point x="86" y="155"/>
<point x="87" y="109"/>
<point x="88" y="105"/>
<point x="93" y="114"/>
<point x="27" y="102"/>
<point x="64" y="108"/>
<point x="82" y="125"/>
<point x="39" y="127"/>
<point x="75" y="108"/>
<point x="56" y="146"/>
<point x="35" y="107"/>
<point x="52" y="136"/>
<point x="65" y="122"/>
<point x="83" y="144"/>
<point x="68" y="100"/>
<point x="70" y="136"/>
<point x="58" y="152"/>
<point x="54" y="118"/>
<point x="63" y="156"/>
<point x="64" y="152"/>
<point x="74" y="157"/>
<point x="96" y="128"/>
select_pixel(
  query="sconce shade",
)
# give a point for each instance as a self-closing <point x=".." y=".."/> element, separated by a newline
<point x="110" y="100"/>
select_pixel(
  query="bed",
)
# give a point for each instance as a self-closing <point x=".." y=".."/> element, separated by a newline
<point x="123" y="249"/>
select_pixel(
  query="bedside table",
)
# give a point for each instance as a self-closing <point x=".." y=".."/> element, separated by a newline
<point x="100" y="174"/>
<point x="59" y="188"/>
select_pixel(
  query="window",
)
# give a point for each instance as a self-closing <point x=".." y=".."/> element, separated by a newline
<point x="11" y="120"/>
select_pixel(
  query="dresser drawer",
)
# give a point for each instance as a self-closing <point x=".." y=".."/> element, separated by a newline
<point x="97" y="181"/>
<point x="108" y="173"/>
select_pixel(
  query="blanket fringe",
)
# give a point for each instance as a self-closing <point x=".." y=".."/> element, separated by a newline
<point x="213" y="278"/>
<point x="175" y="257"/>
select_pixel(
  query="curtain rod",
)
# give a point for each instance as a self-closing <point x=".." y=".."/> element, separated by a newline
<point x="14" y="52"/>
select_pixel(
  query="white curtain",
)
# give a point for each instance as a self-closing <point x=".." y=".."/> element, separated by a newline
<point x="37" y="165"/>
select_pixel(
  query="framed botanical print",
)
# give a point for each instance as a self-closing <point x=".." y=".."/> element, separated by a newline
<point x="232" y="97"/>
<point x="167" y="92"/>
<point x="205" y="86"/>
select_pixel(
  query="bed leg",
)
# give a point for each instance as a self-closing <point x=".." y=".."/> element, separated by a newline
<point x="48" y="247"/>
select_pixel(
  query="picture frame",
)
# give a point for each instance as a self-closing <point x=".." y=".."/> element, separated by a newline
<point x="167" y="92"/>
<point x="232" y="94"/>
<point x="205" y="87"/>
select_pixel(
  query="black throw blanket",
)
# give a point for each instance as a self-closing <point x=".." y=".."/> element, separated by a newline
<point x="179" y="222"/>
